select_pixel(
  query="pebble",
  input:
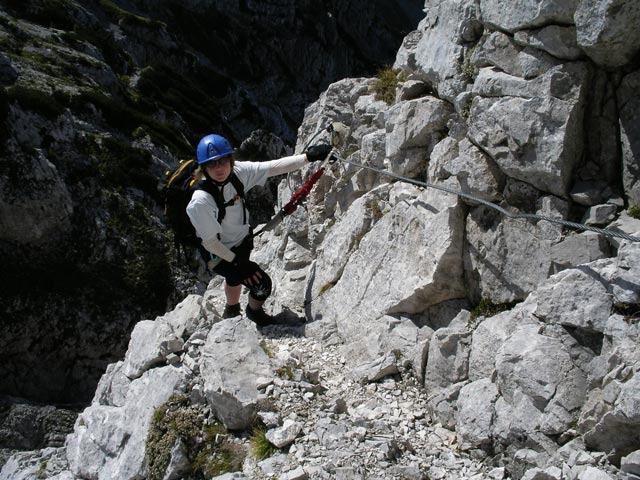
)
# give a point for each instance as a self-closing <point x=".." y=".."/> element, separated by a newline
<point x="350" y="430"/>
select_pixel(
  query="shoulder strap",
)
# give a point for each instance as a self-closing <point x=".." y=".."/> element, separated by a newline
<point x="216" y="192"/>
<point x="237" y="184"/>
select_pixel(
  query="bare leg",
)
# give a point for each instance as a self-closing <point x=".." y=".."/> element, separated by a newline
<point x="232" y="294"/>
<point x="255" y="304"/>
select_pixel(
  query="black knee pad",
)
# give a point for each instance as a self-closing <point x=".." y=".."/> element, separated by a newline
<point x="263" y="289"/>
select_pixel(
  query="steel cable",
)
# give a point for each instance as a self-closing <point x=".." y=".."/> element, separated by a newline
<point x="526" y="216"/>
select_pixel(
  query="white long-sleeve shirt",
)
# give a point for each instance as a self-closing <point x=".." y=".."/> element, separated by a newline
<point x="219" y="238"/>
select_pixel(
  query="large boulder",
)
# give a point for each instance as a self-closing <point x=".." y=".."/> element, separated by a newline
<point x="153" y="340"/>
<point x="475" y="407"/>
<point x="512" y="16"/>
<point x="476" y="172"/>
<point x="501" y="50"/>
<point x="610" y="417"/>
<point x="509" y="257"/>
<point x="436" y="52"/>
<point x="414" y="127"/>
<point x="533" y="129"/>
<point x="410" y="260"/>
<point x="629" y="105"/>
<point x="607" y="30"/>
<point x="109" y="442"/>
<point x="542" y="387"/>
<point x="232" y="363"/>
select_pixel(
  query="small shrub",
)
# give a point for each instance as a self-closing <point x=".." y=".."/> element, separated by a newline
<point x="634" y="211"/>
<point x="218" y="455"/>
<point x="42" y="470"/>
<point x="486" y="308"/>
<point x="466" y="109"/>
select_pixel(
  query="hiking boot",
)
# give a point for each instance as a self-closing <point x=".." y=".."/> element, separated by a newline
<point x="259" y="317"/>
<point x="231" y="311"/>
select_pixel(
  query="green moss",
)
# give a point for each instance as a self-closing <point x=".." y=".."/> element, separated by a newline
<point x="266" y="349"/>
<point x="194" y="98"/>
<point x="35" y="100"/>
<point x="124" y="115"/>
<point x="208" y="447"/>
<point x="141" y="265"/>
<point x="469" y="70"/>
<point x="218" y="457"/>
<point x="486" y="308"/>
<point x="326" y="287"/>
<point x="376" y="211"/>
<point x="634" y="211"/>
<point x="285" y="372"/>
<point x="126" y="17"/>
<point x="42" y="470"/>
<point x="466" y="109"/>
<point x="385" y="85"/>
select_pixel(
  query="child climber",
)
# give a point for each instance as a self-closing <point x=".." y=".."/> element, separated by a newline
<point x="227" y="239"/>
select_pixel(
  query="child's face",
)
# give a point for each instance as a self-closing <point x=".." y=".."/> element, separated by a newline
<point x="219" y="169"/>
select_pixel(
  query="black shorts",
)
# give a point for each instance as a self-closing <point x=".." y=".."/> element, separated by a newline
<point x="226" y="269"/>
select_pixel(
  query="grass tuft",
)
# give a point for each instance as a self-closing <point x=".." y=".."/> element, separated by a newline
<point x="385" y="85"/>
<point x="260" y="446"/>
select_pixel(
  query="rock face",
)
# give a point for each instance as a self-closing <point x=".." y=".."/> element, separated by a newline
<point x="433" y="321"/>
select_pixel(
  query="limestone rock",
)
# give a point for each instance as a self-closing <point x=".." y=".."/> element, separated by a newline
<point x="540" y="384"/>
<point x="512" y="256"/>
<point x="366" y="282"/>
<point x="554" y="39"/>
<point x="500" y="50"/>
<point x="607" y="32"/>
<point x="576" y="297"/>
<point x="475" y="414"/>
<point x="511" y="117"/>
<point x="488" y="337"/>
<point x="477" y="174"/>
<point x="448" y="360"/>
<point x="629" y="101"/>
<point x="109" y="442"/>
<point x="232" y="363"/>
<point x="631" y="463"/>
<point x="445" y="25"/>
<point x="577" y="249"/>
<point x="513" y="16"/>
<point x="284" y="435"/>
<point x="413" y="129"/>
<point x="151" y="342"/>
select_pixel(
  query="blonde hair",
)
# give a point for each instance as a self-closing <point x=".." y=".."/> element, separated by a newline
<point x="198" y="174"/>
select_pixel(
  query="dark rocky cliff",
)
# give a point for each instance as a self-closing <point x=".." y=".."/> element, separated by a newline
<point x="97" y="98"/>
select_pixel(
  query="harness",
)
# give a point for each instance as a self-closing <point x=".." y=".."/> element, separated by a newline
<point x="216" y="191"/>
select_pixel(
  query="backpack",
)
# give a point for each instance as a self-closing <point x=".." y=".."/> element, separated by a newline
<point x="178" y="189"/>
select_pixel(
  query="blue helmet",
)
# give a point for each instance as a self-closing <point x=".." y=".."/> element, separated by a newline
<point x="212" y="147"/>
